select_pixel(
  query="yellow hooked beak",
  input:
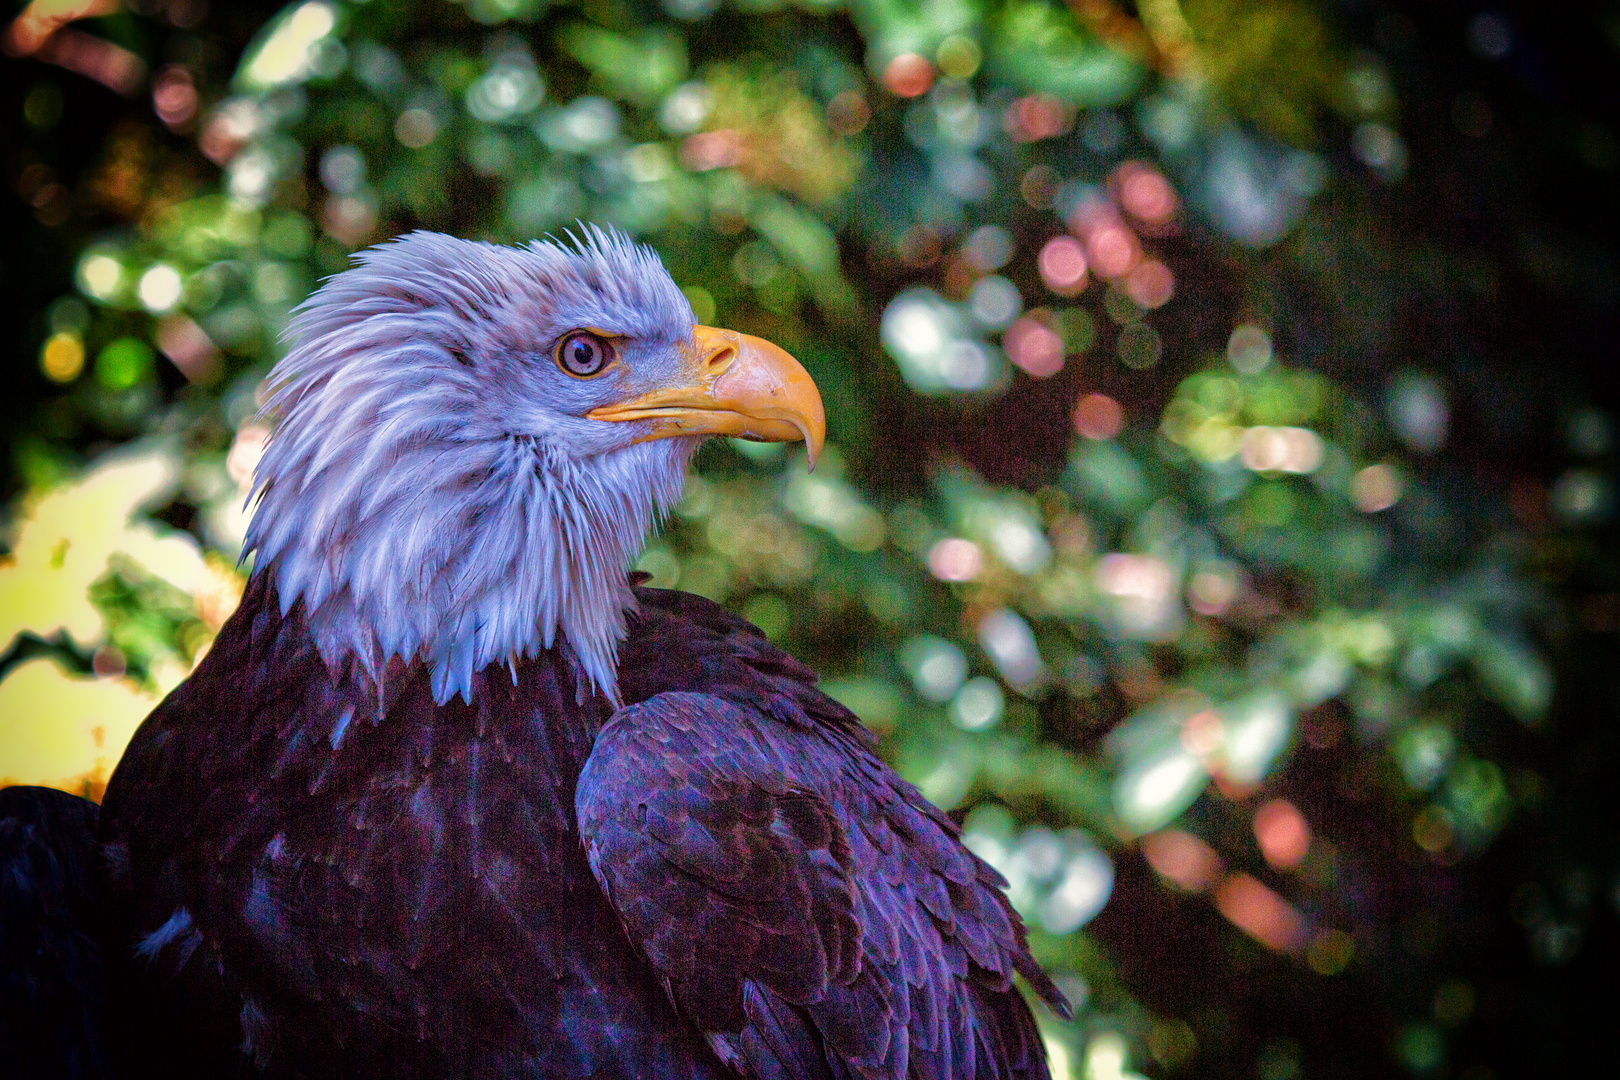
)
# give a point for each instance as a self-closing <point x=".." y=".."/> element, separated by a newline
<point x="735" y="385"/>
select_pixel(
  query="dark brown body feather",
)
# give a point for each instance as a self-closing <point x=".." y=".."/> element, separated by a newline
<point x="326" y="878"/>
<point x="51" y="981"/>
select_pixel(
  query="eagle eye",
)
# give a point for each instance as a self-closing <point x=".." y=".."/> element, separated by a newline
<point x="584" y="354"/>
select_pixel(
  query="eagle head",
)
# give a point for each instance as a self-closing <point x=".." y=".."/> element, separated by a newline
<point x="472" y="441"/>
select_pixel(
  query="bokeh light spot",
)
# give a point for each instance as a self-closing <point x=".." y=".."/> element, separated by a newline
<point x="160" y="288"/>
<point x="966" y="365"/>
<point x="1203" y="733"/>
<point x="1143" y="577"/>
<point x="1034" y="347"/>
<point x="1171" y="1042"/>
<point x="1271" y="449"/>
<point x="174" y="95"/>
<point x="507" y="92"/>
<point x="848" y="113"/>
<point x="290" y="52"/>
<point x="1422" y="1048"/>
<point x="1084" y="888"/>
<point x="227" y="128"/>
<point x="686" y="107"/>
<point x="416" y="127"/>
<point x="938" y="667"/>
<point x="1379" y="147"/>
<point x="1581" y="495"/>
<point x="1368" y="87"/>
<point x="1145" y="194"/>
<point x="1432" y="830"/>
<point x="349" y="219"/>
<point x="1113" y="249"/>
<point x="908" y="75"/>
<point x="712" y="150"/>
<point x="959" y="56"/>
<point x="1375" y="488"/>
<point x="123" y="363"/>
<point x="988" y="248"/>
<point x="100" y="275"/>
<point x="955" y="559"/>
<point x="1211" y="592"/>
<point x="1302" y="450"/>
<point x="62" y="357"/>
<point x="1062" y="264"/>
<point x="1105" y="1057"/>
<point x="1590" y="433"/>
<point x="1416" y="404"/>
<point x="1249" y="349"/>
<point x="343" y="169"/>
<point x="1098" y="416"/>
<point x="913" y="327"/>
<point x="1261" y="913"/>
<point x="1283" y="834"/>
<point x="994" y="301"/>
<point x="1279" y="1060"/>
<point x="978" y="704"/>
<point x="1008" y="640"/>
<point x="1038" y="186"/>
<point x="1150" y="284"/>
<point x="1038" y="116"/>
<point x="1151" y="793"/>
<point x="1330" y="951"/>
<point x="1181" y="859"/>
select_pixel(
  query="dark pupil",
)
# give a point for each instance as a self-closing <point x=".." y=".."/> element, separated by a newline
<point x="582" y="354"/>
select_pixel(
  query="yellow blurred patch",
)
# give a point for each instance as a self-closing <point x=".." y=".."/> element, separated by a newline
<point x="65" y="536"/>
<point x="62" y="358"/>
<point x="65" y="731"/>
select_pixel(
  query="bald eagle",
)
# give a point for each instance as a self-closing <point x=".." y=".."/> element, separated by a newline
<point x="451" y="795"/>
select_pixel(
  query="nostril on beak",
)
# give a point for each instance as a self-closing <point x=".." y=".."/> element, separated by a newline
<point x="719" y="362"/>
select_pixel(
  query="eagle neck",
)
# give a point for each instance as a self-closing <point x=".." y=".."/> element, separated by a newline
<point x="543" y="707"/>
<point x="475" y="559"/>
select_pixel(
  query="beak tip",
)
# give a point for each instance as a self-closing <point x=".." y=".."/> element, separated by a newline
<point x="815" y="437"/>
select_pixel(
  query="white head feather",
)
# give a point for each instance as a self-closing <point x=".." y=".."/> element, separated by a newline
<point x="434" y="490"/>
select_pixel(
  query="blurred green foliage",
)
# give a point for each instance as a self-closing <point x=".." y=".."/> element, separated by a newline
<point x="1223" y="562"/>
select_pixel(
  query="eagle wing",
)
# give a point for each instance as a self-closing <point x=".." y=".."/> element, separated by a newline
<point x="807" y="908"/>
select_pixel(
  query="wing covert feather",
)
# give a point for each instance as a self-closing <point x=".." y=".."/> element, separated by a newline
<point x="721" y="872"/>
<point x="802" y="900"/>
